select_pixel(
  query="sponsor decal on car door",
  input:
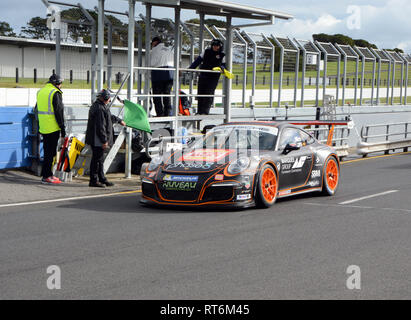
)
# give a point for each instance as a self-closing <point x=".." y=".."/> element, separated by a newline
<point x="295" y="169"/>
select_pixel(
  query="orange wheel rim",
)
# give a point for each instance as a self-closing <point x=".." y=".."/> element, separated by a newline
<point x="269" y="185"/>
<point x="332" y="174"/>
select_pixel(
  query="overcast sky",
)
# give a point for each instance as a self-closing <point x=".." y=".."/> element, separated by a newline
<point x="387" y="23"/>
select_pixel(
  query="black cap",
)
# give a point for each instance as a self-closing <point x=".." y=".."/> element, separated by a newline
<point x="104" y="94"/>
<point x="156" y="39"/>
<point x="55" y="79"/>
<point x="217" y="42"/>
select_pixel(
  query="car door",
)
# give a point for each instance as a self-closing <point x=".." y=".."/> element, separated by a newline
<point x="295" y="165"/>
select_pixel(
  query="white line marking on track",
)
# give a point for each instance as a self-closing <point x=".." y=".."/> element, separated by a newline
<point x="370" y="196"/>
<point x="357" y="207"/>
<point x="66" y="199"/>
<point x="335" y="205"/>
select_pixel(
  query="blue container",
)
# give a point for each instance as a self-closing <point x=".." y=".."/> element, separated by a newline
<point x="15" y="142"/>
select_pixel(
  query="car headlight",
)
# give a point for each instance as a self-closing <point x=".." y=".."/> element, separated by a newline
<point x="238" y="165"/>
<point x="155" y="162"/>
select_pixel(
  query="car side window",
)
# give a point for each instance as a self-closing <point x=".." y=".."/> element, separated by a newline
<point x="290" y="136"/>
<point x="306" y="138"/>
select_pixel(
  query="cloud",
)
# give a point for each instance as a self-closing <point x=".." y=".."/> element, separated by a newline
<point x="304" y="29"/>
<point x="405" y="45"/>
<point x="385" y="23"/>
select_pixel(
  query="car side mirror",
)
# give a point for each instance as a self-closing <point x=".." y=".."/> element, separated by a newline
<point x="291" y="147"/>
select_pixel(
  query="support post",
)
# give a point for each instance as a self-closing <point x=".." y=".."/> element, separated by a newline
<point x="337" y="96"/>
<point x="317" y="87"/>
<point x="177" y="40"/>
<point x="394" y="65"/>
<point x="378" y="82"/>
<point x="140" y="59"/>
<point x="402" y="81"/>
<point x="130" y="62"/>
<point x="201" y="36"/>
<point x="93" y="62"/>
<point x="344" y="79"/>
<point x="297" y="67"/>
<point x="270" y="44"/>
<point x="388" y="82"/>
<point x="373" y="82"/>
<point x="362" y="77"/>
<point x="357" y="62"/>
<point x="303" y="75"/>
<point x="58" y="50"/>
<point x="100" y="52"/>
<point x="229" y="64"/>
<point x="325" y="76"/>
<point x="147" y="57"/>
<point x="109" y="53"/>
<point x="406" y="64"/>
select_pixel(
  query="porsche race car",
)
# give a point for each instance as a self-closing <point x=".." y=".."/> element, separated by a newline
<point x="242" y="164"/>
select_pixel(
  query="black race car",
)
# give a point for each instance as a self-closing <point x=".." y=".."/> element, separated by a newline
<point x="242" y="164"/>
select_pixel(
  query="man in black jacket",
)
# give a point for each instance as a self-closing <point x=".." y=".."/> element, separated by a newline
<point x="99" y="136"/>
<point x="207" y="83"/>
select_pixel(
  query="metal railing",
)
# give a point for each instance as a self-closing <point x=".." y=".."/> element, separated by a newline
<point x="403" y="142"/>
<point x="366" y="129"/>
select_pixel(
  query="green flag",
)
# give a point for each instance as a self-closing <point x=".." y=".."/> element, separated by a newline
<point x="135" y="116"/>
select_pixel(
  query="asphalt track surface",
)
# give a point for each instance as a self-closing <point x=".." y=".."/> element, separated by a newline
<point x="112" y="248"/>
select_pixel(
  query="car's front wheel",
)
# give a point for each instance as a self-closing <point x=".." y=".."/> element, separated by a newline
<point x="267" y="187"/>
<point x="331" y="177"/>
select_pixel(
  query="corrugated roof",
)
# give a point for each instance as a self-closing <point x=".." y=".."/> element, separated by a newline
<point x="214" y="7"/>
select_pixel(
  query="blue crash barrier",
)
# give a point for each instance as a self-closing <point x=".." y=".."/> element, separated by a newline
<point x="15" y="139"/>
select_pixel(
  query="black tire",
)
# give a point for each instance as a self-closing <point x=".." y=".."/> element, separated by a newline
<point x="331" y="177"/>
<point x="267" y="187"/>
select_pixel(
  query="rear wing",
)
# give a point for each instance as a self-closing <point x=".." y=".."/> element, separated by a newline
<point x="317" y="122"/>
<point x="330" y="123"/>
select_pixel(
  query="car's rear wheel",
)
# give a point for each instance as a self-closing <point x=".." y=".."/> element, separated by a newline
<point x="331" y="177"/>
<point x="267" y="187"/>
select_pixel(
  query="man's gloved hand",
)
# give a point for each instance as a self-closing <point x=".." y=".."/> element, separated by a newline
<point x="228" y="74"/>
<point x="63" y="132"/>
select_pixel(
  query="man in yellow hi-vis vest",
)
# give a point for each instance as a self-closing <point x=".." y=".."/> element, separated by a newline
<point x="50" y="111"/>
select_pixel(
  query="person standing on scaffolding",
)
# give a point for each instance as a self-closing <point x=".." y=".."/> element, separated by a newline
<point x="161" y="81"/>
<point x="207" y="83"/>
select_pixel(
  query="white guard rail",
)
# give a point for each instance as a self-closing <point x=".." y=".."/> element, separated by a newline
<point x="365" y="147"/>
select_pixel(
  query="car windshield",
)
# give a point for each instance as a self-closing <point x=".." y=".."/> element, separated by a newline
<point x="239" y="137"/>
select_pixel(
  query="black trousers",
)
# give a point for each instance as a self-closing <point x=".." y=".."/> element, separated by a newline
<point x="206" y="85"/>
<point x="97" y="165"/>
<point x="162" y="104"/>
<point x="50" y="141"/>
